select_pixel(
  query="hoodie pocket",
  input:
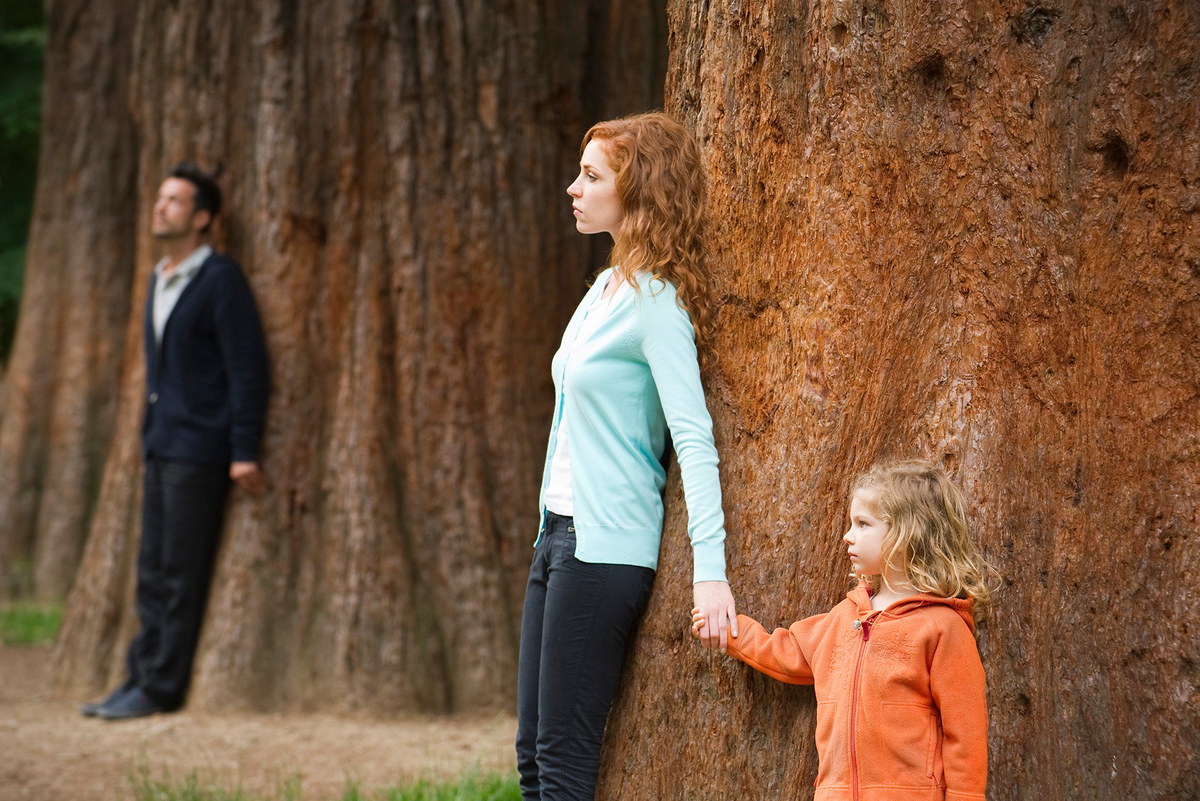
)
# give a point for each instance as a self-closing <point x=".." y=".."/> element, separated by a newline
<point x="937" y="769"/>
<point x="830" y="753"/>
<point x="911" y="731"/>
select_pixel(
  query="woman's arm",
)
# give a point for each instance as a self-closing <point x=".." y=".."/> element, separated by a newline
<point x="668" y="344"/>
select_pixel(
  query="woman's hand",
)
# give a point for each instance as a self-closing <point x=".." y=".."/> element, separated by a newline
<point x="715" y="617"/>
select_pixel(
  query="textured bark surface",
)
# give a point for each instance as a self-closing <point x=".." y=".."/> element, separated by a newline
<point x="57" y="401"/>
<point x="969" y="231"/>
<point x="394" y="179"/>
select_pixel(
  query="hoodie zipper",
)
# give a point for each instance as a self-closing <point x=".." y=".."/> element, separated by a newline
<point x="862" y="647"/>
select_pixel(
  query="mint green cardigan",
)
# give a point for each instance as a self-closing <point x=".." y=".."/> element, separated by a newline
<point x="620" y="390"/>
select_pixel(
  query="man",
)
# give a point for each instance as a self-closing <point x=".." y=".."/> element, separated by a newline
<point x="206" y="398"/>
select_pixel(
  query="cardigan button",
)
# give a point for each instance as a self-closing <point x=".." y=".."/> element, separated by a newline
<point x="153" y="397"/>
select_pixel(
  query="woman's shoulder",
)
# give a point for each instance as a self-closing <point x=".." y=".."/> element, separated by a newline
<point x="656" y="288"/>
<point x="657" y="310"/>
<point x="654" y="300"/>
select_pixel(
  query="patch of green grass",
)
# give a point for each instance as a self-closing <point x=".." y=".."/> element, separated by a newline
<point x="468" y="788"/>
<point x="192" y="787"/>
<point x="205" y="785"/>
<point x="29" y="624"/>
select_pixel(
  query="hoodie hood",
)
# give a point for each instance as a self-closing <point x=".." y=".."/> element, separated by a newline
<point x="861" y="596"/>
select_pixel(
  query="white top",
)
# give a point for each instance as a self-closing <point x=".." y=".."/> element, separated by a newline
<point x="168" y="290"/>
<point x="559" y="497"/>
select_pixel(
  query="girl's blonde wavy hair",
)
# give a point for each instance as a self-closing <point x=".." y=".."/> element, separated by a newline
<point x="927" y="539"/>
<point x="660" y="183"/>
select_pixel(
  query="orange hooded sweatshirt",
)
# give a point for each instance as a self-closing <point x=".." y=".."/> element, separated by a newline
<point x="901" y="705"/>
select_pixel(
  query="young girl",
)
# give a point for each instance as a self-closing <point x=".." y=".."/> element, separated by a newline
<point x="901" y="707"/>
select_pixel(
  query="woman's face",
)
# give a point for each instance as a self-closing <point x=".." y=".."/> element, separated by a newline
<point x="596" y="205"/>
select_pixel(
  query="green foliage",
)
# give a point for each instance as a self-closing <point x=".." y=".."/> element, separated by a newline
<point x="12" y="275"/>
<point x="18" y="15"/>
<point x="29" y="624"/>
<point x="22" y="47"/>
<point x="198" y="785"/>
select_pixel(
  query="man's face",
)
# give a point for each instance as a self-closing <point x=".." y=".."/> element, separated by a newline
<point x="175" y="214"/>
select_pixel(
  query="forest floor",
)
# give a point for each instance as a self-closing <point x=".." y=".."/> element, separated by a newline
<point x="49" y="752"/>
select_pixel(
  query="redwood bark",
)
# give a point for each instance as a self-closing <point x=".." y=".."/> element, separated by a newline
<point x="967" y="231"/>
<point x="57" y="399"/>
<point x="394" y="179"/>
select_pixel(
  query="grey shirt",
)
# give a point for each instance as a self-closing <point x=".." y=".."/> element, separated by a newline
<point x="168" y="290"/>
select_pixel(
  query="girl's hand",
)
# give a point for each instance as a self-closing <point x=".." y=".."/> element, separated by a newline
<point x="714" y="618"/>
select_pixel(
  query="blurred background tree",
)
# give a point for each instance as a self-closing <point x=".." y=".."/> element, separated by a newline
<point x="22" y="42"/>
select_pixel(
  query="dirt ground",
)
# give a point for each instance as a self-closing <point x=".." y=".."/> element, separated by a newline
<point x="49" y="752"/>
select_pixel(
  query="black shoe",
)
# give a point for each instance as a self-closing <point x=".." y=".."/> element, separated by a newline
<point x="133" y="704"/>
<point x="92" y="710"/>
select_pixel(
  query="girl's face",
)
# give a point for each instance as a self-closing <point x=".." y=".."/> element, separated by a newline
<point x="864" y="539"/>
<point x="596" y="205"/>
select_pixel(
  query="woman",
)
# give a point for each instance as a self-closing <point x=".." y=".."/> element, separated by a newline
<point x="627" y="372"/>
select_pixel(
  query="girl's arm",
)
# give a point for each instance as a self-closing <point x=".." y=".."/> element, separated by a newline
<point x="959" y="689"/>
<point x="779" y="654"/>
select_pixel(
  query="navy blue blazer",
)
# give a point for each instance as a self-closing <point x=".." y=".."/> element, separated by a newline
<point x="207" y="382"/>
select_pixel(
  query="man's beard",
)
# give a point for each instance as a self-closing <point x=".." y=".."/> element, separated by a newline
<point x="169" y="233"/>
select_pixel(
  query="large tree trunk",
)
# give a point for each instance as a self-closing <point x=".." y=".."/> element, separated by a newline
<point x="968" y="231"/>
<point x="57" y="400"/>
<point x="395" y="179"/>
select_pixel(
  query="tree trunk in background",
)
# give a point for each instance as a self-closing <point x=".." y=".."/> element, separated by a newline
<point x="395" y="182"/>
<point x="968" y="231"/>
<point x="58" y="399"/>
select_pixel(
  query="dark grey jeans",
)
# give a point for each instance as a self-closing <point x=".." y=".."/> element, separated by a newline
<point x="577" y="619"/>
<point x="183" y="505"/>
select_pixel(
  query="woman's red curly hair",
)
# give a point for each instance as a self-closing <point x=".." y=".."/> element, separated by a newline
<point x="660" y="183"/>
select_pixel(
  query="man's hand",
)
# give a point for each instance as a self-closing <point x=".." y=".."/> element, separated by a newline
<point x="248" y="476"/>
<point x="716" y="614"/>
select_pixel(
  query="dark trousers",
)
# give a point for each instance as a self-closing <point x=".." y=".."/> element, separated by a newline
<point x="576" y="621"/>
<point x="182" y="508"/>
